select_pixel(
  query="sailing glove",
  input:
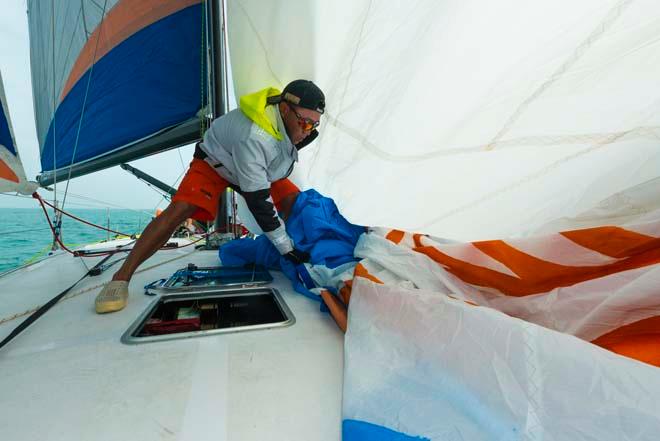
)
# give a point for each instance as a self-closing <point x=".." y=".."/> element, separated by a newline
<point x="297" y="257"/>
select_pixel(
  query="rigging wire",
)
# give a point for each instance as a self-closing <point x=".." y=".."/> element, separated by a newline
<point x="183" y="166"/>
<point x="165" y="196"/>
<point x="97" y="201"/>
<point x="58" y="220"/>
<point x="103" y="253"/>
<point x="112" y="204"/>
<point x="84" y="105"/>
<point x="30" y="230"/>
<point x="84" y="221"/>
<point x="68" y="51"/>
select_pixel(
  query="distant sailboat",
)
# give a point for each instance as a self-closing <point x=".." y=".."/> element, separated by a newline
<point x="12" y="175"/>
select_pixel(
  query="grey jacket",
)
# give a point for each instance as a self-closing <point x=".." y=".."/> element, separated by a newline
<point x="250" y="158"/>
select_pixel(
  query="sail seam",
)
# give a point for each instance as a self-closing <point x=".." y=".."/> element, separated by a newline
<point x="582" y="49"/>
<point x="340" y="105"/>
<point x="68" y="51"/>
<point x="524" y="180"/>
<point x="355" y="53"/>
<point x="260" y="41"/>
<point x="651" y="132"/>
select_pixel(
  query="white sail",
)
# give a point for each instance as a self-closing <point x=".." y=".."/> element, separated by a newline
<point x="12" y="174"/>
<point x="465" y="119"/>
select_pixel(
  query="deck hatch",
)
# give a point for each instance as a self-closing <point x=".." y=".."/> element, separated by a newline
<point x="194" y="314"/>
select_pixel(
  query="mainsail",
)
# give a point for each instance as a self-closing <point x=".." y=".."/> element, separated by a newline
<point x="468" y="120"/>
<point x="114" y="80"/>
<point x="12" y="175"/>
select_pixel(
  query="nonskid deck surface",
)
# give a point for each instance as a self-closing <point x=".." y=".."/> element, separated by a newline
<point x="69" y="376"/>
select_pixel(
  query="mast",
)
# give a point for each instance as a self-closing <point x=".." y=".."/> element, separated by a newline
<point x="217" y="57"/>
<point x="219" y="93"/>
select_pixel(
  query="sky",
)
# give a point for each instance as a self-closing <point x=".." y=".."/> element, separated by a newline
<point x="114" y="187"/>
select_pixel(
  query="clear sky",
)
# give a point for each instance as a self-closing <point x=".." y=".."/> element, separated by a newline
<point x="114" y="185"/>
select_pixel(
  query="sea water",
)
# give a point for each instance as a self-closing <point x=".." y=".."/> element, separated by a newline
<point x="25" y="234"/>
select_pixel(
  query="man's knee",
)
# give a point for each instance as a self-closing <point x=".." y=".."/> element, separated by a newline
<point x="178" y="212"/>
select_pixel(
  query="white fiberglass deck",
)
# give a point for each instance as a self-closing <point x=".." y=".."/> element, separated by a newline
<point x="68" y="376"/>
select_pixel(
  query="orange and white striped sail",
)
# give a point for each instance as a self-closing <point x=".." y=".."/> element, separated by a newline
<point x="12" y="175"/>
<point x="600" y="284"/>
<point x="555" y="336"/>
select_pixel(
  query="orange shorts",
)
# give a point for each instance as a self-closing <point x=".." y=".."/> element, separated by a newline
<point x="202" y="187"/>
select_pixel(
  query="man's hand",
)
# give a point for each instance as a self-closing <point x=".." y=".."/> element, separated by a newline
<point x="297" y="257"/>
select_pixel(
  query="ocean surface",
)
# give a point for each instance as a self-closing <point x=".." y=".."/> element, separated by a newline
<point x="25" y="235"/>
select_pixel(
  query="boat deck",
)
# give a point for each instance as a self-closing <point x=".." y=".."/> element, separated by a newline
<point x="68" y="376"/>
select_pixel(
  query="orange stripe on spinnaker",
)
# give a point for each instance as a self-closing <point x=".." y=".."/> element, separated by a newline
<point x="612" y="241"/>
<point x="534" y="275"/>
<point x="7" y="173"/>
<point x="122" y="21"/>
<point x="345" y="292"/>
<point x="639" y="340"/>
<point x="417" y="238"/>
<point x="395" y="236"/>
<point x="361" y="271"/>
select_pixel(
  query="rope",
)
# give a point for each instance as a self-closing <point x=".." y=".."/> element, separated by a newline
<point x="55" y="235"/>
<point x="86" y="290"/>
<point x="47" y="306"/>
<point x="37" y="255"/>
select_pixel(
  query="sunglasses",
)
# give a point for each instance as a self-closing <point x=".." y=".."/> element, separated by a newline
<point x="307" y="124"/>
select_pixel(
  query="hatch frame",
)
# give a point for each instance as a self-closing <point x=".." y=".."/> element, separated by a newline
<point x="130" y="336"/>
<point x="169" y="285"/>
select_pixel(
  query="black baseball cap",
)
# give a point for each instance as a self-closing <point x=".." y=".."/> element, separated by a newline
<point x="302" y="93"/>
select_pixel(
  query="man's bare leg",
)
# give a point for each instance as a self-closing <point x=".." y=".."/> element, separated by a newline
<point x="114" y="295"/>
<point x="154" y="236"/>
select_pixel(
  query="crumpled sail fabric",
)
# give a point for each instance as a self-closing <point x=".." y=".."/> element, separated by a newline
<point x="442" y="369"/>
<point x="481" y="337"/>
<point x="12" y="175"/>
<point x="316" y="227"/>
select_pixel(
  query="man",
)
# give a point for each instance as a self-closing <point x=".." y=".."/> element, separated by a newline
<point x="252" y="149"/>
